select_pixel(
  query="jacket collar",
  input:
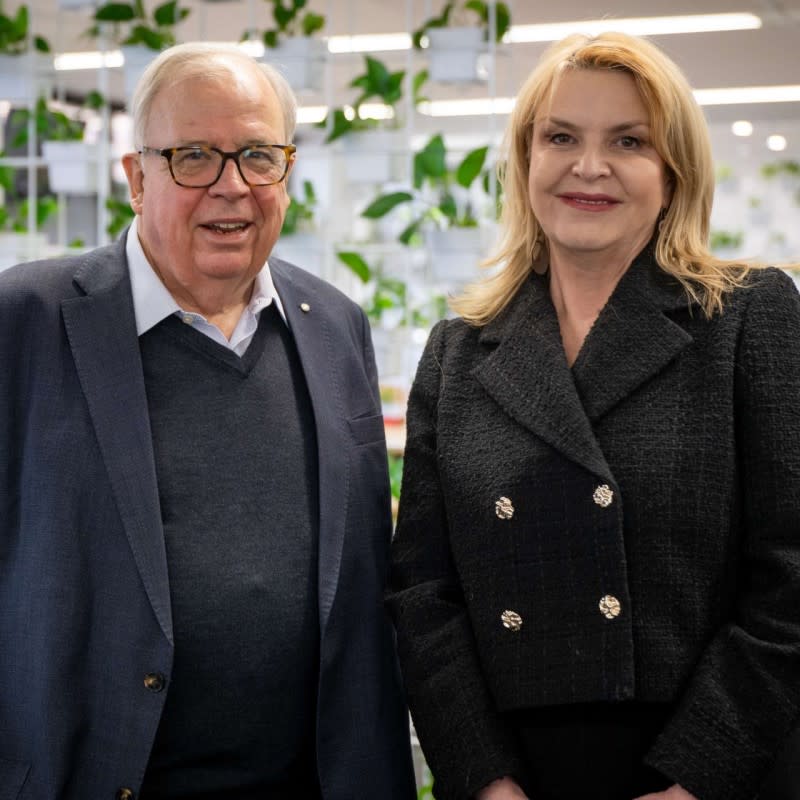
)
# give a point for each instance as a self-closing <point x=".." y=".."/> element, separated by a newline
<point x="631" y="340"/>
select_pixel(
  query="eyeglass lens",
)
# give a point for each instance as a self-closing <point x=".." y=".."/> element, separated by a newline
<point x="198" y="166"/>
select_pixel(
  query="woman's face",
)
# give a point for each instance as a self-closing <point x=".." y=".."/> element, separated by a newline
<point x="595" y="183"/>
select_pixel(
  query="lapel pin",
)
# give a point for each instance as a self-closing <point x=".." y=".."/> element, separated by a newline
<point x="503" y="508"/>
<point x="305" y="308"/>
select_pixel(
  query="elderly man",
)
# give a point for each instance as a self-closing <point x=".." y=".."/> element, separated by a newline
<point x="194" y="507"/>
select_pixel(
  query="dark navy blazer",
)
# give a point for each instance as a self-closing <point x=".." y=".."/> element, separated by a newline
<point x="84" y="594"/>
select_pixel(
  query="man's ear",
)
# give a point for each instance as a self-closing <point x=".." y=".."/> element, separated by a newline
<point x="132" y="164"/>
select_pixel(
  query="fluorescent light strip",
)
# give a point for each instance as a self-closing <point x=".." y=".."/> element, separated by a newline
<point x="747" y="94"/>
<point x="483" y="106"/>
<point x="369" y="43"/>
<point x="636" y="26"/>
<point x="92" y="59"/>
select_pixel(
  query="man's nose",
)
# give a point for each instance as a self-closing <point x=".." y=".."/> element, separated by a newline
<point x="230" y="180"/>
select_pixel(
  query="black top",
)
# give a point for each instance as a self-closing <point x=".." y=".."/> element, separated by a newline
<point x="236" y="459"/>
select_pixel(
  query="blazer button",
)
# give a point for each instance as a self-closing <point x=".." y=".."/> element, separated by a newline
<point x="511" y="620"/>
<point x="124" y="794"/>
<point x="603" y="496"/>
<point x="154" y="681"/>
<point x="610" y="607"/>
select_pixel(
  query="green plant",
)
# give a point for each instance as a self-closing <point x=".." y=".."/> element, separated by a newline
<point x="133" y="26"/>
<point x="721" y="239"/>
<point x="300" y="213"/>
<point x="395" y="474"/>
<point x="120" y="216"/>
<point x="14" y="218"/>
<point x="787" y="167"/>
<point x="14" y="37"/>
<point x="289" y="21"/>
<point x="456" y="15"/>
<point x="377" y="82"/>
<point x="431" y="170"/>
<point x="49" y="123"/>
<point x="389" y="293"/>
<point x="724" y="172"/>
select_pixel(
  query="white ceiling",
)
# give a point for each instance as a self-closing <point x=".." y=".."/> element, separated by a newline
<point x="767" y="56"/>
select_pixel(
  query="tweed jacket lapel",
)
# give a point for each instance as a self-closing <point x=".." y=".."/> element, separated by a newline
<point x="528" y="376"/>
<point x="101" y="329"/>
<point x="632" y="339"/>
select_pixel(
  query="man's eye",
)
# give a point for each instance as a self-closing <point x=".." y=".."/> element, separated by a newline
<point x="193" y="155"/>
<point x="259" y="155"/>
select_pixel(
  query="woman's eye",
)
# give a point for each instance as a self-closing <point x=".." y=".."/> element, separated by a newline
<point x="560" y="138"/>
<point x="629" y="142"/>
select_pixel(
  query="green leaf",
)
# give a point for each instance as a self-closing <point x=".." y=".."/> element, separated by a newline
<point x="41" y="44"/>
<point x="471" y="166"/>
<point x="432" y="158"/>
<point x="417" y="82"/>
<point x="271" y="38"/>
<point x="148" y="37"/>
<point x="341" y="125"/>
<point x="166" y="14"/>
<point x="448" y="207"/>
<point x="356" y="264"/>
<point x="115" y="12"/>
<point x="283" y="16"/>
<point x="382" y="205"/>
<point x="410" y="234"/>
<point x="94" y="100"/>
<point x="377" y="74"/>
<point x="503" y="17"/>
<point x="312" y="23"/>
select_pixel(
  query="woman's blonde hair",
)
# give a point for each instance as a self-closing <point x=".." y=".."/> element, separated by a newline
<point x="679" y="135"/>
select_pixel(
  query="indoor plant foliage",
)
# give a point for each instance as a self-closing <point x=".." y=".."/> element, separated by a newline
<point x="471" y="13"/>
<point x="376" y="82"/>
<point x="133" y="26"/>
<point x="14" y="39"/>
<point x="441" y="195"/>
<point x="290" y="21"/>
<point x="300" y="213"/>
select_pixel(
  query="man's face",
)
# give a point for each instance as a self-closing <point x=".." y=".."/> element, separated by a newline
<point x="208" y="242"/>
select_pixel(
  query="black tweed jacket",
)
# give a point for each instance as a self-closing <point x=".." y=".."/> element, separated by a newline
<point x="627" y="529"/>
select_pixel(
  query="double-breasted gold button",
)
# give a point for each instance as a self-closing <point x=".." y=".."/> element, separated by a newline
<point x="503" y="508"/>
<point x="511" y="620"/>
<point x="603" y="495"/>
<point x="610" y="607"/>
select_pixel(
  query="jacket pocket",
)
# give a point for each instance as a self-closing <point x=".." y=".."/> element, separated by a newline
<point x="367" y="429"/>
<point x="12" y="778"/>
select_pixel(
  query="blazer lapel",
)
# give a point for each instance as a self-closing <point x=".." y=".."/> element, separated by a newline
<point x="528" y="376"/>
<point x="318" y="356"/>
<point x="632" y="339"/>
<point x="101" y="330"/>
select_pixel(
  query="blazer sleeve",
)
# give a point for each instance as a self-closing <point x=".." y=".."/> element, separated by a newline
<point x="465" y="742"/>
<point x="744" y="695"/>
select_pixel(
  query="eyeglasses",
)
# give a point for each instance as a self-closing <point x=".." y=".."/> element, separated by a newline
<point x="198" y="166"/>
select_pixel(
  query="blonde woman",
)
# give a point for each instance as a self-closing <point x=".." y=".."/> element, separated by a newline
<point x="596" y="571"/>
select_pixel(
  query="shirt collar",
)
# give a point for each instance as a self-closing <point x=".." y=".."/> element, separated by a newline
<point x="152" y="302"/>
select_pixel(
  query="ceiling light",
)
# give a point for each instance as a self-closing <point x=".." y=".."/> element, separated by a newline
<point x="479" y="106"/>
<point x="776" y="142"/>
<point x="92" y="59"/>
<point x="748" y="94"/>
<point x="636" y="26"/>
<point x="742" y="127"/>
<point x="369" y="43"/>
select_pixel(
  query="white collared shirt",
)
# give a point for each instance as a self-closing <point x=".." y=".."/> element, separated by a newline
<point x="152" y="302"/>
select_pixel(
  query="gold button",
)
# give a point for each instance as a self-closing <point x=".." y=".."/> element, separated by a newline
<point x="305" y="308"/>
<point x="154" y="681"/>
<point x="511" y="620"/>
<point x="503" y="508"/>
<point x="603" y="495"/>
<point x="124" y="794"/>
<point x="610" y="606"/>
